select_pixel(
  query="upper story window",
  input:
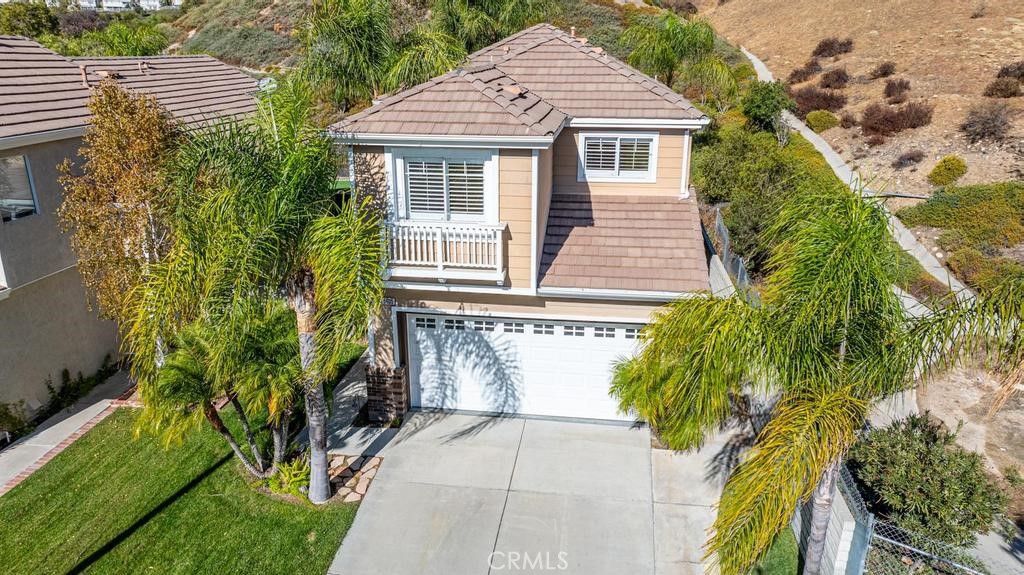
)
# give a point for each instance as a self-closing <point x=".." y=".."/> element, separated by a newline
<point x="454" y="185"/>
<point x="17" y="198"/>
<point x="620" y="157"/>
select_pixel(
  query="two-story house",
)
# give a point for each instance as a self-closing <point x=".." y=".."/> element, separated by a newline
<point x="45" y="324"/>
<point x="539" y="211"/>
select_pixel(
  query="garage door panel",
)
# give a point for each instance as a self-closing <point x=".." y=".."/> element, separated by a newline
<point x="515" y="365"/>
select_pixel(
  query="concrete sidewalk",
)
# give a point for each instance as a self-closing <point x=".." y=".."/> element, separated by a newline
<point x="29" y="450"/>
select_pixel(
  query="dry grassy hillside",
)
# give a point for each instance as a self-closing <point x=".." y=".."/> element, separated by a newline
<point x="948" y="49"/>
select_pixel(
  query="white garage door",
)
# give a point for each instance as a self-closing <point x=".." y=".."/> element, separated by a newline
<point x="528" y="366"/>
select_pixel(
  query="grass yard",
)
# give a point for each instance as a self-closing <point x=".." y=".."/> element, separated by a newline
<point x="112" y="503"/>
<point x="782" y="557"/>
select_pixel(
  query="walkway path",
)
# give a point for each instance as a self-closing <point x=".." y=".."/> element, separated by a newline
<point x="29" y="453"/>
<point x="904" y="237"/>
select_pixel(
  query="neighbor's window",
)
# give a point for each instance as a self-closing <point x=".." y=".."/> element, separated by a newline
<point x="16" y="197"/>
<point x="617" y="157"/>
<point x="445" y="188"/>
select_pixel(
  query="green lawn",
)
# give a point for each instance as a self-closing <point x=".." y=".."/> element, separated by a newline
<point x="782" y="556"/>
<point x="112" y="503"/>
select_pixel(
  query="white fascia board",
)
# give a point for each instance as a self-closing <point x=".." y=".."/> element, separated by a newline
<point x="484" y="289"/>
<point x="411" y="141"/>
<point x="639" y="123"/>
<point x="41" y="137"/>
<point x="486" y="313"/>
<point x="614" y="294"/>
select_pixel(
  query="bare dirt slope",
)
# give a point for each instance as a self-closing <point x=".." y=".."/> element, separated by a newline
<point x="948" y="56"/>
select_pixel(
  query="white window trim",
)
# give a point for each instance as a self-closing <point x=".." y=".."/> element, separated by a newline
<point x="581" y="172"/>
<point x="395" y="159"/>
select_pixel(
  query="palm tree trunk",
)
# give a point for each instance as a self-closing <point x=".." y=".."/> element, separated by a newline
<point x="218" y="424"/>
<point x="257" y="457"/>
<point x="821" y="512"/>
<point x="301" y="300"/>
<point x="280" y="433"/>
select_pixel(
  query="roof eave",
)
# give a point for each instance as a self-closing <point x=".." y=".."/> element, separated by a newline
<point x="646" y="123"/>
<point x="443" y="141"/>
<point x="31" y="139"/>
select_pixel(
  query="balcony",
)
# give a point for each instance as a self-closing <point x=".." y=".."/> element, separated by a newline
<point x="447" y="251"/>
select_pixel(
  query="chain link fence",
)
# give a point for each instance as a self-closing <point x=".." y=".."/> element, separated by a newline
<point x="734" y="264"/>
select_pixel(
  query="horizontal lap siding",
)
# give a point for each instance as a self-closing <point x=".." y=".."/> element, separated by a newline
<point x="670" y="159"/>
<point x="544" y="175"/>
<point x="515" y="203"/>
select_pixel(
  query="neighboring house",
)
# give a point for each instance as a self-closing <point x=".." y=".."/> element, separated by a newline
<point x="539" y="211"/>
<point x="45" y="325"/>
<point x="111" y="5"/>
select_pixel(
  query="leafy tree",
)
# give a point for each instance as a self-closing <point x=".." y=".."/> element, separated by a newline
<point x="30" y="19"/>
<point x="351" y="52"/>
<point x="258" y="214"/>
<point x="659" y="46"/>
<point x="117" y="201"/>
<point x="764" y="102"/>
<point x="921" y="480"/>
<point x="478" y="23"/>
<point x="829" y="337"/>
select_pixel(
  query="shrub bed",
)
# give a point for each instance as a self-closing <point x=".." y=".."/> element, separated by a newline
<point x="882" y="70"/>
<point x="896" y="90"/>
<point x="1003" y="88"/>
<point x="834" y="79"/>
<point x="821" y="120"/>
<point x="832" y="46"/>
<point x="805" y="72"/>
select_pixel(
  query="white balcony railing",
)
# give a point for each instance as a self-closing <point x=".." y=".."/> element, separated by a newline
<point x="447" y="250"/>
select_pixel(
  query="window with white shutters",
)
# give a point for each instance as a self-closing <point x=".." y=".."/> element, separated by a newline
<point x="618" y="157"/>
<point x="445" y="188"/>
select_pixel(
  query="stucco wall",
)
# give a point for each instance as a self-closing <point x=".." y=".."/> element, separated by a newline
<point x="45" y="327"/>
<point x="33" y="247"/>
<point x="670" y="161"/>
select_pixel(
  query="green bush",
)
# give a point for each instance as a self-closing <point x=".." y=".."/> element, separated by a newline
<point x="982" y="272"/>
<point x="764" y="102"/>
<point x="754" y="175"/>
<point x="947" y="171"/>
<point x="984" y="215"/>
<point x="243" y="45"/>
<point x="31" y="19"/>
<point x="821" y="120"/>
<point x="918" y="478"/>
<point x="291" y="478"/>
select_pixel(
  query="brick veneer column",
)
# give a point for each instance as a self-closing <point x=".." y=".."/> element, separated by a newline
<point x="386" y="395"/>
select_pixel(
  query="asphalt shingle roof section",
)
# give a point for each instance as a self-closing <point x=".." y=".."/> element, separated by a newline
<point x="595" y="242"/>
<point x="194" y="89"/>
<point x="476" y="101"/>
<point x="559" y="77"/>
<point x="40" y="91"/>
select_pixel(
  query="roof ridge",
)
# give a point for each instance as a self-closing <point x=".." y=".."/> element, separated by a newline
<point x="508" y="39"/>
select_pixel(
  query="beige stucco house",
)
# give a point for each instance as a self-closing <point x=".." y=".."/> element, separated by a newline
<point x="539" y="211"/>
<point x="45" y="324"/>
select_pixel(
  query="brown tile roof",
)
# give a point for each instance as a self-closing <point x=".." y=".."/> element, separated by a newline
<point x="476" y="100"/>
<point x="586" y="82"/>
<point x="192" y="88"/>
<point x="41" y="91"/>
<point x="562" y="77"/>
<point x="644" y="243"/>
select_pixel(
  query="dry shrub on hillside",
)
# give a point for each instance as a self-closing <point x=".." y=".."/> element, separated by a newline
<point x="882" y="70"/>
<point x="907" y="159"/>
<point x="1003" y="88"/>
<point x="896" y="90"/>
<point x="986" y="121"/>
<point x="1015" y="70"/>
<point x="847" y="120"/>
<point x="834" y="79"/>
<point x="805" y="72"/>
<point x="812" y="98"/>
<point x="885" y="120"/>
<point x="875" y="140"/>
<point x="832" y="46"/>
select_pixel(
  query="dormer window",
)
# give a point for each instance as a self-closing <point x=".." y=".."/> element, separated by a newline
<point x="617" y="157"/>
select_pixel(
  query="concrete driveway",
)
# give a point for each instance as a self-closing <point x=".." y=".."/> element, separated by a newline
<point x="461" y="494"/>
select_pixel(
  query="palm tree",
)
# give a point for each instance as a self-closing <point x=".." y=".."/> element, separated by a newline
<point x="258" y="213"/>
<point x="182" y="396"/>
<point x="351" y="51"/>
<point x="829" y="338"/>
<point x="659" y="46"/>
<point x="478" y="23"/>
